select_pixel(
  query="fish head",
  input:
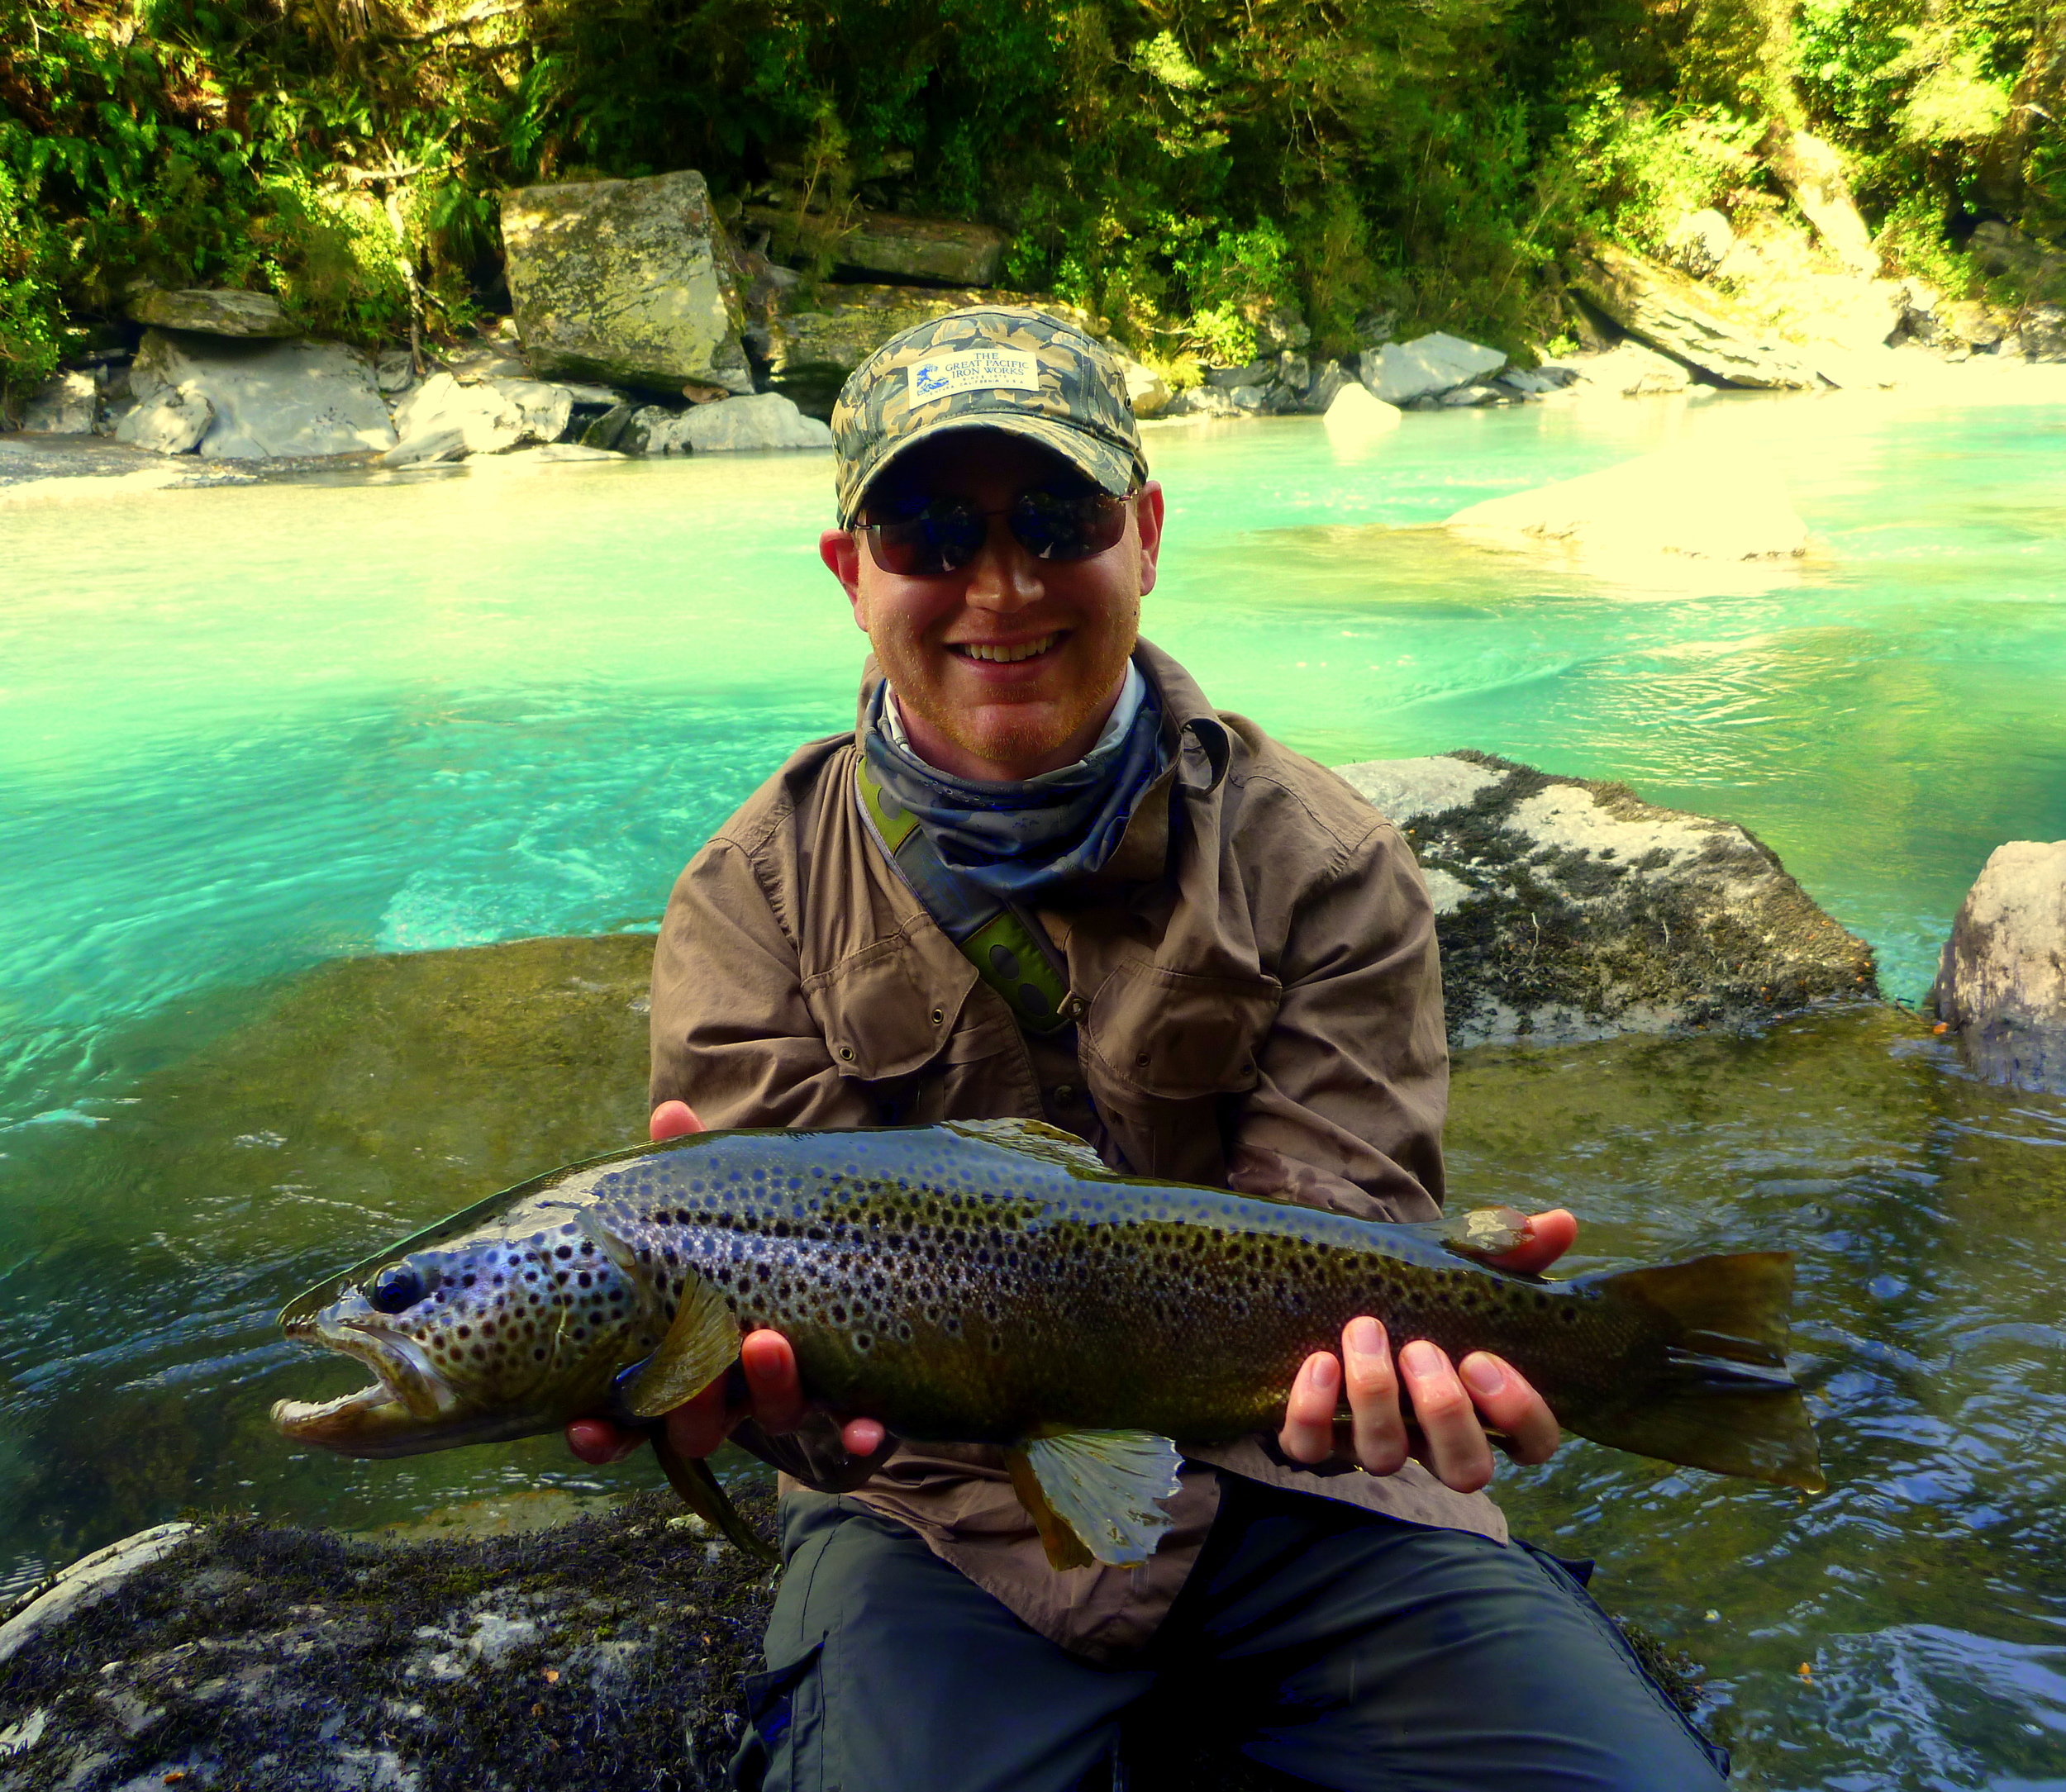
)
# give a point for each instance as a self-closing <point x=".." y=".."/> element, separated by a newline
<point x="507" y="1333"/>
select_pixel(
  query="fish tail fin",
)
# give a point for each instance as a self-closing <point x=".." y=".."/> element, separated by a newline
<point x="690" y="1476"/>
<point x="1718" y="1394"/>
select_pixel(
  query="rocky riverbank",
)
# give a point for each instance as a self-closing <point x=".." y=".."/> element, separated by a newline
<point x="648" y="320"/>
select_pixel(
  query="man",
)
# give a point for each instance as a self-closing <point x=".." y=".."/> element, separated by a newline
<point x="1045" y="878"/>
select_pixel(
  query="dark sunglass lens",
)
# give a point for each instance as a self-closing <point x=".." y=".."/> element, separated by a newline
<point x="938" y="539"/>
<point x="1071" y="528"/>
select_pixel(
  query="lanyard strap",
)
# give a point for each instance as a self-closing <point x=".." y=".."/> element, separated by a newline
<point x="994" y="938"/>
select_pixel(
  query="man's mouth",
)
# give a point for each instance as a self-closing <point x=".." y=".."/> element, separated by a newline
<point x="1004" y="653"/>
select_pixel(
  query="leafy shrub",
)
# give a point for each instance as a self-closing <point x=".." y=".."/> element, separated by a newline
<point x="1641" y="168"/>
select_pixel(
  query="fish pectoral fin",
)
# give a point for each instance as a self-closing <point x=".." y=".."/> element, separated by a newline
<point x="690" y="1476"/>
<point x="1482" y="1234"/>
<point x="702" y="1343"/>
<point x="1064" y="1547"/>
<point x="1105" y="1488"/>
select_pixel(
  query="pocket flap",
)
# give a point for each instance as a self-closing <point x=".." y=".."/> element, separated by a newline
<point x="1176" y="1036"/>
<point x="889" y="1009"/>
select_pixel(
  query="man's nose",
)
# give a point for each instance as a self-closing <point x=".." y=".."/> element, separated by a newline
<point x="1003" y="576"/>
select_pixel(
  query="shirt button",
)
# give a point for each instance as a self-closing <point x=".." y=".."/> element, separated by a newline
<point x="1075" y="1008"/>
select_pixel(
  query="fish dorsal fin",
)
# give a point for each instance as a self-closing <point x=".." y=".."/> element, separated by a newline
<point x="1035" y="1138"/>
<point x="1104" y="1487"/>
<point x="702" y="1343"/>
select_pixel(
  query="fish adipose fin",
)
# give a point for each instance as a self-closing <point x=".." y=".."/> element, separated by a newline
<point x="701" y="1344"/>
<point x="1718" y="1395"/>
<point x="1100" y="1491"/>
<point x="690" y="1476"/>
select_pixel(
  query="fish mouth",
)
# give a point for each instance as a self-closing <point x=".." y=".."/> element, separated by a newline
<point x="408" y="1406"/>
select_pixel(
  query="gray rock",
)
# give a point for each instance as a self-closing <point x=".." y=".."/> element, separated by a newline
<point x="209" y="311"/>
<point x="1256" y="373"/>
<point x="491" y="415"/>
<point x="1201" y="401"/>
<point x="626" y="281"/>
<point x="607" y="431"/>
<point x="885" y="244"/>
<point x="1569" y="910"/>
<point x="172" y="422"/>
<point x="2043" y="328"/>
<point x="268" y="398"/>
<point x="1374" y="329"/>
<point x="1294" y="371"/>
<point x="766" y="420"/>
<point x="1250" y="400"/>
<point x="1146" y="390"/>
<point x="394" y="373"/>
<point x="1325" y="385"/>
<point x="1635" y="372"/>
<point x="1426" y="368"/>
<point x="2001" y="982"/>
<point x="427" y="448"/>
<point x="65" y="404"/>
<point x="1526" y="382"/>
<point x="86" y="1583"/>
<point x="1688" y="321"/>
<point x="2002" y="251"/>
<point x="1461" y="397"/>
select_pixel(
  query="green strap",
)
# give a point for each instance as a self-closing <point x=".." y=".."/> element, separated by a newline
<point x="996" y="941"/>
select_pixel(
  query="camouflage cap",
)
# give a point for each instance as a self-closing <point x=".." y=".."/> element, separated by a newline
<point x="996" y="367"/>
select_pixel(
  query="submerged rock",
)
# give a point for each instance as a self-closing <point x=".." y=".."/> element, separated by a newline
<point x="1355" y="416"/>
<point x="627" y="282"/>
<point x="1571" y="909"/>
<point x="766" y="420"/>
<point x="1675" y="503"/>
<point x="2002" y="982"/>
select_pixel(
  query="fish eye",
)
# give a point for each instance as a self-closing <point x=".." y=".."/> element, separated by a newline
<point x="396" y="1289"/>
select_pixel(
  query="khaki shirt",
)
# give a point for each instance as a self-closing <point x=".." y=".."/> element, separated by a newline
<point x="1258" y="1006"/>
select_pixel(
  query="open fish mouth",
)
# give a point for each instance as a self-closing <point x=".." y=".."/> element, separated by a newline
<point x="408" y="1405"/>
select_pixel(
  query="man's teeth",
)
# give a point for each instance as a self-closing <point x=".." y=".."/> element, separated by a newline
<point x="1006" y="656"/>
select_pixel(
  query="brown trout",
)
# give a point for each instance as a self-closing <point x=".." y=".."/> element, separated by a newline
<point x="993" y="1283"/>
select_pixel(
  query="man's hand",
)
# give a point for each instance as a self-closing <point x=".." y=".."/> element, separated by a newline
<point x="1452" y="1405"/>
<point x="774" y="1392"/>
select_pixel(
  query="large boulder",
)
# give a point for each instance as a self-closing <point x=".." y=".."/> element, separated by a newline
<point x="766" y="420"/>
<point x="173" y="421"/>
<point x="490" y="415"/>
<point x="2002" y="982"/>
<point x="265" y="397"/>
<point x="1570" y="910"/>
<point x="1635" y="372"/>
<point x="888" y="245"/>
<point x="627" y="282"/>
<point x="1354" y="417"/>
<point x="1690" y="322"/>
<point x="209" y="311"/>
<point x="1426" y="368"/>
<point x="1676" y="502"/>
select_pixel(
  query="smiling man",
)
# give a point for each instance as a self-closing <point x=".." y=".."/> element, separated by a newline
<point x="1045" y="878"/>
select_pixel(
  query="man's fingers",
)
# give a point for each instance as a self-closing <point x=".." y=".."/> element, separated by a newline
<point x="1456" y="1447"/>
<point x="1509" y="1404"/>
<point x="774" y="1390"/>
<point x="597" y="1441"/>
<point x="672" y="1119"/>
<point x="697" y="1426"/>
<point x="1308" y="1435"/>
<point x="1549" y="1235"/>
<point x="862" y="1438"/>
<point x="1374" y="1398"/>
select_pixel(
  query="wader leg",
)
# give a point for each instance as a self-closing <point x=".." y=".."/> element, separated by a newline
<point x="1359" y="1652"/>
<point x="890" y="1671"/>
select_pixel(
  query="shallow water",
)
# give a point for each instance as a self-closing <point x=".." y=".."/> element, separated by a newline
<point x="247" y="732"/>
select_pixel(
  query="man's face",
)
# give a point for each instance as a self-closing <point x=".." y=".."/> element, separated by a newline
<point x="977" y="716"/>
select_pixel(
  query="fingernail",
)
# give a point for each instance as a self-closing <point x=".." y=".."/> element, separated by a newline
<point x="1365" y="1340"/>
<point x="1483" y="1375"/>
<point x="1421" y="1357"/>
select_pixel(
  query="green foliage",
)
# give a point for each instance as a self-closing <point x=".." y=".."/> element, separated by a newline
<point x="1639" y="169"/>
<point x="30" y="314"/>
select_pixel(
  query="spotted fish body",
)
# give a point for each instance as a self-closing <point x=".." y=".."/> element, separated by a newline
<point x="992" y="1282"/>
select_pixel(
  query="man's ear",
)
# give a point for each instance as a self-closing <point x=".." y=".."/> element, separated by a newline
<point x="1148" y="524"/>
<point x="840" y="550"/>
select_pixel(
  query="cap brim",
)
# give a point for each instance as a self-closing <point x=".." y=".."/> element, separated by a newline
<point x="1107" y="466"/>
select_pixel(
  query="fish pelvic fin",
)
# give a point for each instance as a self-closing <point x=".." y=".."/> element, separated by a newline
<point x="1097" y="1495"/>
<point x="690" y="1477"/>
<point x="1717" y="1395"/>
<point x="702" y="1343"/>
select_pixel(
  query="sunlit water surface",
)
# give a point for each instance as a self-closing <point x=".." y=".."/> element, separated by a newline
<point x="247" y="732"/>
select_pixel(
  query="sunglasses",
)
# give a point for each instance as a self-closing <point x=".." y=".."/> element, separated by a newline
<point x="948" y="533"/>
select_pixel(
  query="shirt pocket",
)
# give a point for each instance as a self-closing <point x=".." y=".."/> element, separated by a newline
<point x="887" y="1011"/>
<point x="1176" y="1037"/>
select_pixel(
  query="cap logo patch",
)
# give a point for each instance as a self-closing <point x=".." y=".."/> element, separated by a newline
<point x="971" y="370"/>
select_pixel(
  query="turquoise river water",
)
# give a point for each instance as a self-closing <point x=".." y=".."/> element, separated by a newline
<point x="247" y="734"/>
